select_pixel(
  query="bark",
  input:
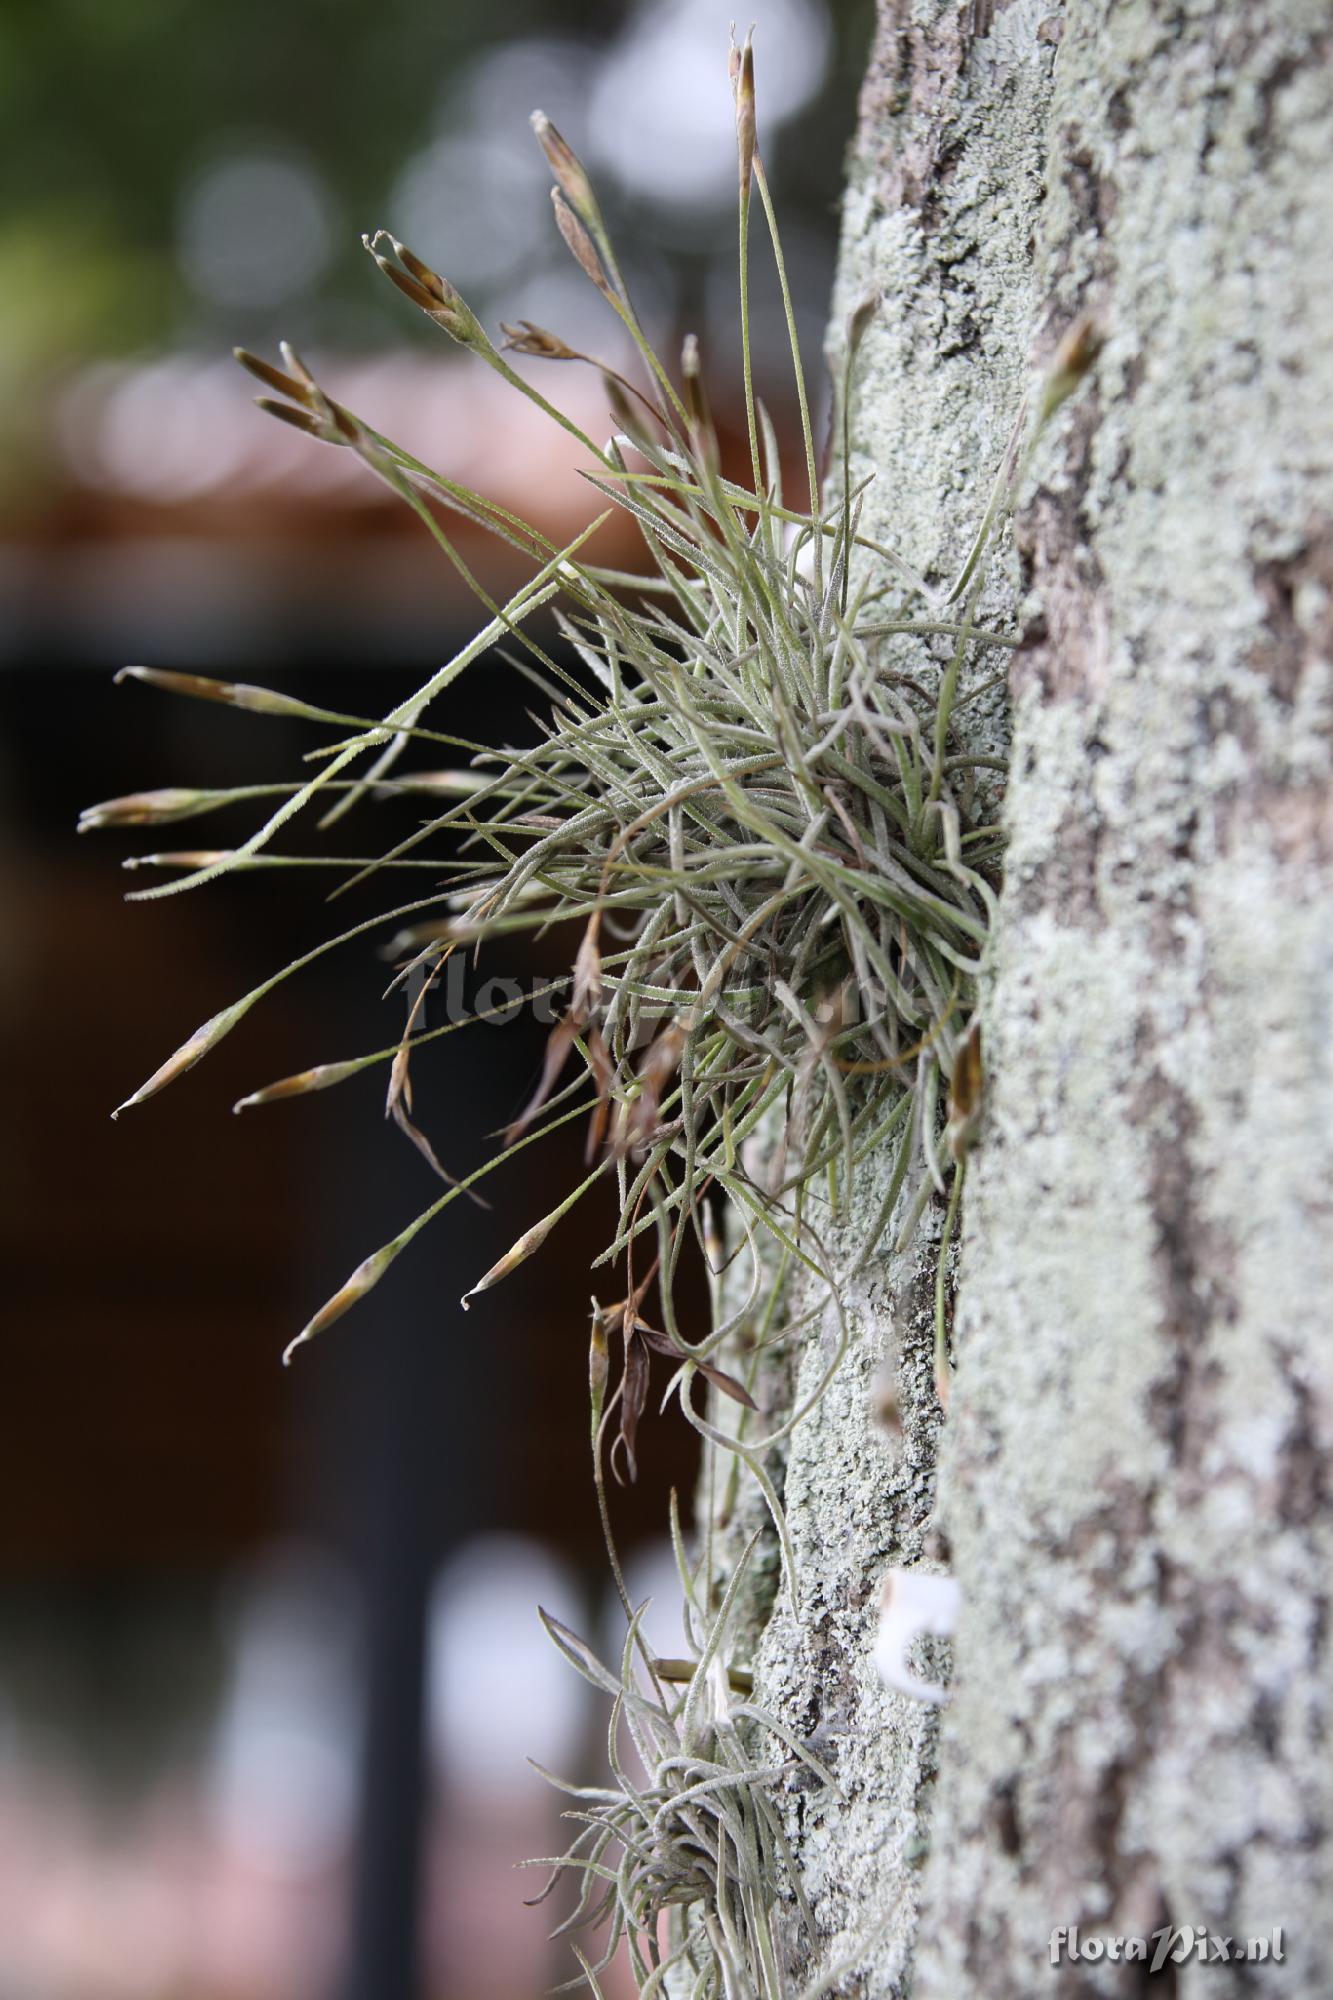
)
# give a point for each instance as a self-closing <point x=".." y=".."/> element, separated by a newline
<point x="1130" y="1485"/>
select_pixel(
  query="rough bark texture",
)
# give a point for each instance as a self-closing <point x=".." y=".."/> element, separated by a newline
<point x="1132" y="1475"/>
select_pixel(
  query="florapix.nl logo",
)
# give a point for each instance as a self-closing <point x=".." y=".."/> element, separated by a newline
<point x="1171" y="1945"/>
<point x="445" y="988"/>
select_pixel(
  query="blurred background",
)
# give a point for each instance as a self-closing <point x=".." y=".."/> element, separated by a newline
<point x="269" y="1658"/>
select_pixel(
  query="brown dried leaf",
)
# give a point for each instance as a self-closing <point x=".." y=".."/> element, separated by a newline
<point x="658" y="1067"/>
<point x="727" y="1384"/>
<point x="603" y="1073"/>
<point x="558" y="1045"/>
<point x="661" y="1343"/>
<point x="966" y="1087"/>
<point x="633" y="1397"/>
<point x="587" y="986"/>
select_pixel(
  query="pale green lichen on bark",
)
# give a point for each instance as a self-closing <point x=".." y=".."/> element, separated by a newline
<point x="1144" y="1392"/>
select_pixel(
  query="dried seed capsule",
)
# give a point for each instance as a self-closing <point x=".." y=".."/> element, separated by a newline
<point x="580" y="244"/>
<point x="525" y="338"/>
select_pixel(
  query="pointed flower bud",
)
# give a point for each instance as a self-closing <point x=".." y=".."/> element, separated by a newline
<point x="322" y="1077"/>
<point x="429" y="279"/>
<point x="410" y="287"/>
<point x="703" y="435"/>
<point x="579" y="242"/>
<point x="149" y="808"/>
<point x="189" y="1053"/>
<point x="655" y="1073"/>
<point x="201" y="686"/>
<point x="568" y="169"/>
<point x="363" y="1279"/>
<point x="743" y="83"/>
<point x="295" y="366"/>
<point x="599" y="1360"/>
<point x="313" y="425"/>
<point x="273" y="378"/>
<point x="236" y="694"/>
<point x="309" y="409"/>
<point x="180" y="857"/>
<point x="527" y="1246"/>
<point x="434" y="295"/>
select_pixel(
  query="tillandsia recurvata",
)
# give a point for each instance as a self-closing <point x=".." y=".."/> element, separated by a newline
<point x="783" y="863"/>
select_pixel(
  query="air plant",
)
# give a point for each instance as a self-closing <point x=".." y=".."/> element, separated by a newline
<point x="752" y="798"/>
<point x="689" y="1826"/>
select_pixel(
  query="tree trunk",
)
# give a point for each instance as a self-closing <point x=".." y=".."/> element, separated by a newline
<point x="1131" y="1474"/>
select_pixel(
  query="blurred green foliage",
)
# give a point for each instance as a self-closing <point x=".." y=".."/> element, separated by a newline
<point x="109" y="107"/>
<point x="111" y="110"/>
